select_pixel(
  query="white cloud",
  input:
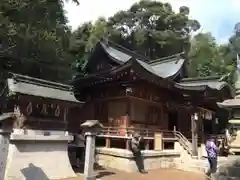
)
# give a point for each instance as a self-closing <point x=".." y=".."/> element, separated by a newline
<point x="90" y="10"/>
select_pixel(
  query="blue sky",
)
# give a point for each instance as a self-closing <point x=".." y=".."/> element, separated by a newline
<point x="215" y="16"/>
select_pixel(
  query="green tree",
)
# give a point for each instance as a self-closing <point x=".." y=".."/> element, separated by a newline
<point x="207" y="58"/>
<point x="204" y="56"/>
<point x="85" y="38"/>
<point x="36" y="33"/>
<point x="154" y="29"/>
<point x="150" y="28"/>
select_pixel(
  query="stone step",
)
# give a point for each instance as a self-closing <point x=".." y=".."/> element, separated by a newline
<point x="222" y="177"/>
<point x="195" y="169"/>
<point x="230" y="171"/>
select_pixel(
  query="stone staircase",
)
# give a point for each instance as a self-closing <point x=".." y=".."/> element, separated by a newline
<point x="228" y="167"/>
<point x="186" y="161"/>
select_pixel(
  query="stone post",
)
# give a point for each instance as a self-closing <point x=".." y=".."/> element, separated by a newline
<point x="91" y="128"/>
<point x="6" y="120"/>
<point x="4" y="145"/>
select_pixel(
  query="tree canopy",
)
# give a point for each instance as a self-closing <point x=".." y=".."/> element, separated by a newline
<point x="35" y="34"/>
<point x="207" y="58"/>
<point x="150" y="28"/>
<point x="36" y="37"/>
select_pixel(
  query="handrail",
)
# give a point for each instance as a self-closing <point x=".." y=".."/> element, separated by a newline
<point x="184" y="142"/>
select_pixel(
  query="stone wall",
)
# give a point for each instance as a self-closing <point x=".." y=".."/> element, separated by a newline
<point x="123" y="159"/>
<point x="38" y="157"/>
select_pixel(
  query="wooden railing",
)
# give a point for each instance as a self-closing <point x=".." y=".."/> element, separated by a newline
<point x="147" y="134"/>
<point x="127" y="132"/>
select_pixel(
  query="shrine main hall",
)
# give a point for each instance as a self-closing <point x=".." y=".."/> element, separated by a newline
<point x="125" y="90"/>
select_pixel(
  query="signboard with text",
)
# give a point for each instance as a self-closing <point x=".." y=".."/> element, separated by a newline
<point x="44" y="110"/>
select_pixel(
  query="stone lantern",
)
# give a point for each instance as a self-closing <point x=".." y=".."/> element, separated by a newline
<point x="91" y="129"/>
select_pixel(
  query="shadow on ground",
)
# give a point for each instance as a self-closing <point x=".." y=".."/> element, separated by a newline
<point x="230" y="170"/>
<point x="100" y="170"/>
<point x="33" y="172"/>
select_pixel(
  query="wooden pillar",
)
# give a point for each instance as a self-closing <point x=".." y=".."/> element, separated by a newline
<point x="128" y="144"/>
<point x="158" y="143"/>
<point x="130" y="112"/>
<point x="194" y="136"/>
<point x="108" y="142"/>
<point x="214" y="124"/>
<point x="202" y="129"/>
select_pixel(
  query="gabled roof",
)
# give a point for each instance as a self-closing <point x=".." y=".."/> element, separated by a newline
<point x="136" y="65"/>
<point x="120" y="53"/>
<point x="38" y="87"/>
<point x="213" y="83"/>
<point x="168" y="67"/>
<point x="230" y="103"/>
<point x="164" y="69"/>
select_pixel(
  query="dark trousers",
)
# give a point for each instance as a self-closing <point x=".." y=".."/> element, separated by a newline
<point x="80" y="151"/>
<point x="139" y="160"/>
<point x="213" y="165"/>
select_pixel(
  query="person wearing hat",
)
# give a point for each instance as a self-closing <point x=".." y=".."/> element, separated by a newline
<point x="136" y="150"/>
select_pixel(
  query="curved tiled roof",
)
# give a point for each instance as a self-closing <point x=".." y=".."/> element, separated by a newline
<point x="115" y="54"/>
<point x="165" y="68"/>
<point x="170" y="67"/>
<point x="214" y="83"/>
<point x="39" y="87"/>
<point x="230" y="103"/>
<point x="210" y="83"/>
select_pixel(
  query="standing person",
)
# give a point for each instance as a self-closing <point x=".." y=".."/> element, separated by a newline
<point x="136" y="150"/>
<point x="212" y="151"/>
<point x="80" y="147"/>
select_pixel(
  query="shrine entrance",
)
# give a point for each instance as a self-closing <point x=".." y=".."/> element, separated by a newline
<point x="172" y="120"/>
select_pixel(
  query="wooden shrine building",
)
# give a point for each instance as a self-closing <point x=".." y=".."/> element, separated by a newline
<point x="35" y="119"/>
<point x="123" y="89"/>
<point x="44" y="105"/>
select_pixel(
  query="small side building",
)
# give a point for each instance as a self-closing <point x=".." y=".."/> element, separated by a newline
<point x="37" y="137"/>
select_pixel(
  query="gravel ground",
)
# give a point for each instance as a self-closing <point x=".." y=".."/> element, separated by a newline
<point x="163" y="174"/>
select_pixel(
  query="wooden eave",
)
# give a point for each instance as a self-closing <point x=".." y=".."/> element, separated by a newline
<point x="132" y="66"/>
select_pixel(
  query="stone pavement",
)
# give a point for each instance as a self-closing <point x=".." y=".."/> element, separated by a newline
<point x="163" y="174"/>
